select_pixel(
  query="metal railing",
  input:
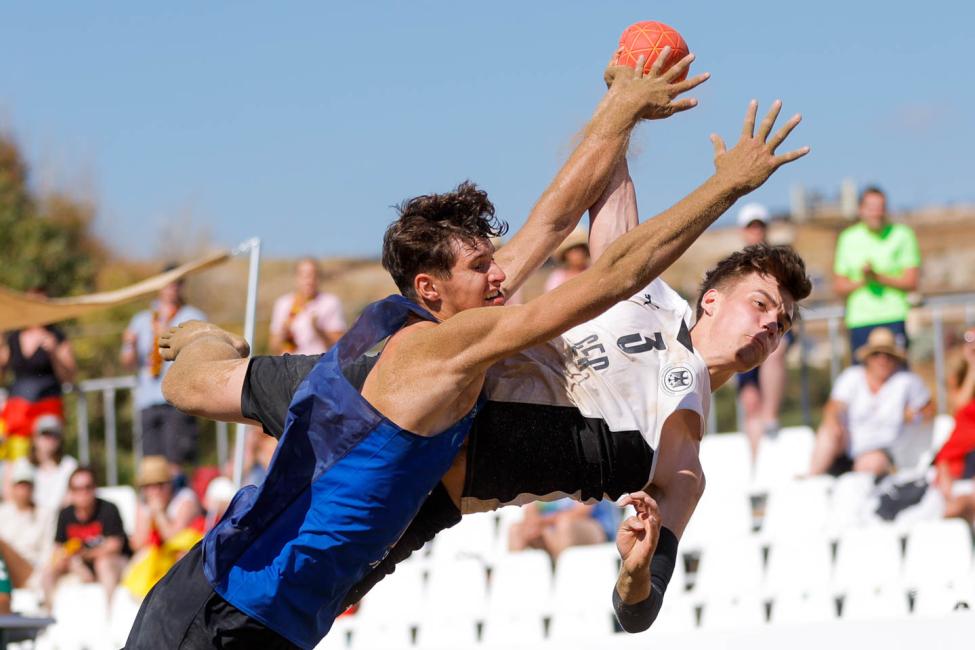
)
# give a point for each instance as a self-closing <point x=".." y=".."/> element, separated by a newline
<point x="109" y="388"/>
<point x="934" y="308"/>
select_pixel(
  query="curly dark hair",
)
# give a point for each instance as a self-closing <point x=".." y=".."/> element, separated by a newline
<point x="421" y="239"/>
<point x="781" y="262"/>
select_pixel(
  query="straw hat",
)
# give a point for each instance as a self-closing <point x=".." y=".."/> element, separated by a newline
<point x="153" y="469"/>
<point x="577" y="237"/>
<point x="882" y="340"/>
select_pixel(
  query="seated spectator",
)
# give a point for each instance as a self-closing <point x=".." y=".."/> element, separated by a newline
<point x="868" y="408"/>
<point x="89" y="541"/>
<point x="555" y="526"/>
<point x="167" y="524"/>
<point x="25" y="528"/>
<point x="956" y="459"/>
<point x="52" y="465"/>
<point x="161" y="513"/>
<point x="573" y="258"/>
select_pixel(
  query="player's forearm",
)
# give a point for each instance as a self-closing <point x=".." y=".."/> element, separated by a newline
<point x="197" y="369"/>
<point x="614" y="213"/>
<point x="578" y="184"/>
<point x="644" y="253"/>
<point x="907" y="281"/>
<point x="633" y="586"/>
<point x="844" y="286"/>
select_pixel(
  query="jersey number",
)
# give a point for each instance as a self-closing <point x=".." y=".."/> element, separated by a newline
<point x="636" y="343"/>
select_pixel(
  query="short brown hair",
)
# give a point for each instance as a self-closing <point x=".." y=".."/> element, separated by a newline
<point x="871" y="189"/>
<point x="420" y="240"/>
<point x="781" y="262"/>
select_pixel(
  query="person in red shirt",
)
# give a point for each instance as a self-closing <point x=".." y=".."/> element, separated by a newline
<point x="956" y="459"/>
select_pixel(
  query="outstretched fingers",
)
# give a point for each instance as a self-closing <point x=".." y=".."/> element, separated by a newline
<point x="782" y="159"/>
<point x="748" y="129"/>
<point x="766" y="126"/>
<point x="693" y="82"/>
<point x="718" y="143"/>
<point x="678" y="68"/>
<point x="784" y="132"/>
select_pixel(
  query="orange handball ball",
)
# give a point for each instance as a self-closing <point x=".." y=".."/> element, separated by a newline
<point x="649" y="38"/>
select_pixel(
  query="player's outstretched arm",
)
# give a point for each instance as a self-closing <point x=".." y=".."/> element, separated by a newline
<point x="647" y="542"/>
<point x="477" y="338"/>
<point x="208" y="370"/>
<point x="632" y="96"/>
<point x="615" y="213"/>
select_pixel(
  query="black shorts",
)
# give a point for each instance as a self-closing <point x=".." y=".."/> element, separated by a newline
<point x="183" y="611"/>
<point x="167" y="431"/>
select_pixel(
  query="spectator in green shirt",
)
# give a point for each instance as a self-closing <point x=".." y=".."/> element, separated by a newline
<point x="876" y="265"/>
<point x="5" y="588"/>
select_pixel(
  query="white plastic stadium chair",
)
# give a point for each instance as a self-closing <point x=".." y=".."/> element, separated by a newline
<point x="526" y="629"/>
<point x="474" y="537"/>
<point x="398" y="598"/>
<point x="729" y="567"/>
<point x="799" y="565"/>
<point x="719" y="514"/>
<point x="851" y="492"/>
<point x="880" y="604"/>
<point x="584" y="578"/>
<point x="374" y="635"/>
<point x="795" y="608"/>
<point x="939" y="601"/>
<point x="782" y="458"/>
<point x="594" y="623"/>
<point x="733" y="613"/>
<point x="868" y="558"/>
<point x="457" y="589"/>
<point x="521" y="583"/>
<point x="81" y="615"/>
<point x="438" y="632"/>
<point x="124" y="498"/>
<point x="727" y="462"/>
<point x="938" y="553"/>
<point x="797" y="508"/>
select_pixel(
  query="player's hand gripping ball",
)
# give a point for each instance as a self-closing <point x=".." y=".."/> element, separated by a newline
<point x="649" y="38"/>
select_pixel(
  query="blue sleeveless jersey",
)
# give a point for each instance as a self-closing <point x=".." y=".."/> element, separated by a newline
<point x="343" y="485"/>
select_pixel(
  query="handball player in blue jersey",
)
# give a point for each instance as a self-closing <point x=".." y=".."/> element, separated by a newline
<point x="358" y="456"/>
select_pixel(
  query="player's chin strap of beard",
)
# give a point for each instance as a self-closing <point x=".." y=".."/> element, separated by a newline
<point x="640" y="616"/>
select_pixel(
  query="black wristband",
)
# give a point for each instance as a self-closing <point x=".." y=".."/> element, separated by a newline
<point x="639" y="616"/>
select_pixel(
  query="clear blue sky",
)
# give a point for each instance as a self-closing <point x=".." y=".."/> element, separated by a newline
<point x="302" y="123"/>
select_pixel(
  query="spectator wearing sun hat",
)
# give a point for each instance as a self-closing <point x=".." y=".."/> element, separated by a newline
<point x="162" y="511"/>
<point x="572" y="256"/>
<point x="868" y="408"/>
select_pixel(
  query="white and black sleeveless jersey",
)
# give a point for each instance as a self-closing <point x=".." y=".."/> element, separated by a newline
<point x="632" y="367"/>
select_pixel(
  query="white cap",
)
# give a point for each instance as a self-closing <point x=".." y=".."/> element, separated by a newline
<point x="22" y="472"/>
<point x="220" y="489"/>
<point x="752" y="212"/>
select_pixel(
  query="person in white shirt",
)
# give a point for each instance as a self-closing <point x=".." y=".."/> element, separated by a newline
<point x="26" y="529"/>
<point x="868" y="408"/>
